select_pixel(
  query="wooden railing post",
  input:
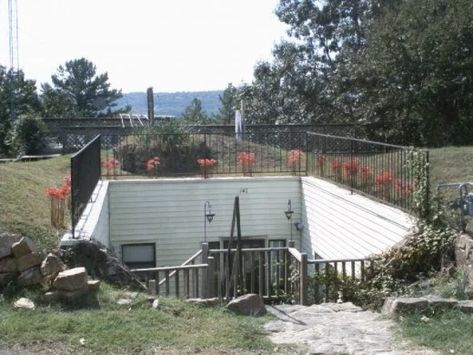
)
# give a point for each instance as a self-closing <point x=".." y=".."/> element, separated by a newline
<point x="205" y="260"/>
<point x="303" y="279"/>
<point x="210" y="277"/>
<point x="152" y="287"/>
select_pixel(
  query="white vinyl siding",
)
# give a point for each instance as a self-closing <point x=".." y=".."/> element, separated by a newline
<point x="338" y="224"/>
<point x="170" y="212"/>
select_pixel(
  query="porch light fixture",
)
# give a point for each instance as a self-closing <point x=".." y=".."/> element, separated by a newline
<point x="289" y="212"/>
<point x="208" y="217"/>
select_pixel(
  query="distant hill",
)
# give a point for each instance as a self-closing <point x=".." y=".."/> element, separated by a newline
<point x="171" y="103"/>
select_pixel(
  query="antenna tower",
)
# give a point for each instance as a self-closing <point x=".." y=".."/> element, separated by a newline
<point x="13" y="34"/>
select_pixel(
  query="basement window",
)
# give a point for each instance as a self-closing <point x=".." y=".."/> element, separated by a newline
<point x="139" y="256"/>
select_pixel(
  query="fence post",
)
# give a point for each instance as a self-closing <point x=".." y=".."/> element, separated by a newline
<point x="210" y="277"/>
<point x="152" y="286"/>
<point x="205" y="260"/>
<point x="304" y="281"/>
<point x="306" y="153"/>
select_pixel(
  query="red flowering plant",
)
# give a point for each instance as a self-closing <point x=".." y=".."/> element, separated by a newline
<point x="320" y="160"/>
<point x="111" y="166"/>
<point x="384" y="182"/>
<point x="205" y="165"/>
<point x="60" y="198"/>
<point x="337" y="166"/>
<point x="247" y="160"/>
<point x="403" y="188"/>
<point x="152" y="165"/>
<point x="351" y="167"/>
<point x="294" y="158"/>
<point x="365" y="172"/>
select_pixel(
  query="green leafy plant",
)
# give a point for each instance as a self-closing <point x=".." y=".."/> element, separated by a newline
<point x="28" y="135"/>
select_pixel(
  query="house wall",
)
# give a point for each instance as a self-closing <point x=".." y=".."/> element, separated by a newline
<point x="170" y="212"/>
<point x="339" y="224"/>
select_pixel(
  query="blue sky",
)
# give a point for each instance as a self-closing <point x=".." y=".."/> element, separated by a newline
<point x="172" y="45"/>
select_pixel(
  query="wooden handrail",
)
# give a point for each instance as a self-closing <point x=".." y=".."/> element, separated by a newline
<point x="326" y="261"/>
<point x="192" y="258"/>
<point x="215" y="251"/>
<point x="172" y="268"/>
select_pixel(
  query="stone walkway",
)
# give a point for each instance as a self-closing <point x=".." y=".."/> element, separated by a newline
<point x="332" y="328"/>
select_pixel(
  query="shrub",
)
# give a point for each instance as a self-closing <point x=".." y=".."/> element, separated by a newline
<point x="29" y="134"/>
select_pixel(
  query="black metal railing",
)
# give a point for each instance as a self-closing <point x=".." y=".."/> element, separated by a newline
<point x="381" y="170"/>
<point x="73" y="134"/>
<point x="85" y="173"/>
<point x="164" y="155"/>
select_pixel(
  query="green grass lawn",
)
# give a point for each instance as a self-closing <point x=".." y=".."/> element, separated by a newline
<point x="449" y="332"/>
<point x="451" y="164"/>
<point x="24" y="206"/>
<point x="107" y="327"/>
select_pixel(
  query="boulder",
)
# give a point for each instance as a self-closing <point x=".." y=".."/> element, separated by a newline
<point x="52" y="265"/>
<point x="5" y="278"/>
<point x="438" y="303"/>
<point x="248" y="305"/>
<point x="30" y="277"/>
<point x="397" y="306"/>
<point x="8" y="265"/>
<point x="72" y="295"/>
<point x="93" y="285"/>
<point x="71" y="280"/>
<point x="465" y="306"/>
<point x="24" y="303"/>
<point x="23" y="247"/>
<point x="6" y="241"/>
<point x="206" y="302"/>
<point x="102" y="263"/>
<point x="28" y="261"/>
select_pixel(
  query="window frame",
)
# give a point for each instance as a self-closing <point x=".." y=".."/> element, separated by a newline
<point x="139" y="265"/>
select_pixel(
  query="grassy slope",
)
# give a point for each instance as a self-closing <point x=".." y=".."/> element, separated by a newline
<point x="110" y="328"/>
<point x="451" y="164"/>
<point x="24" y="207"/>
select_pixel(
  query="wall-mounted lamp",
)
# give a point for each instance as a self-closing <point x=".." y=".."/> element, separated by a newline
<point x="299" y="226"/>
<point x="289" y="212"/>
<point x="208" y="217"/>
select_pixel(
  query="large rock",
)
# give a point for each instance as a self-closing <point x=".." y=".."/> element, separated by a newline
<point x="398" y="306"/>
<point x="52" y="265"/>
<point x="28" y="261"/>
<point x="438" y="303"/>
<point x="101" y="263"/>
<point x="23" y="247"/>
<point x="6" y="241"/>
<point x="465" y="306"/>
<point x="248" y="305"/>
<point x="30" y="277"/>
<point x="71" y="280"/>
<point x="72" y="295"/>
<point x="24" y="303"/>
<point x="5" y="278"/>
<point x="93" y="285"/>
<point x="8" y="265"/>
